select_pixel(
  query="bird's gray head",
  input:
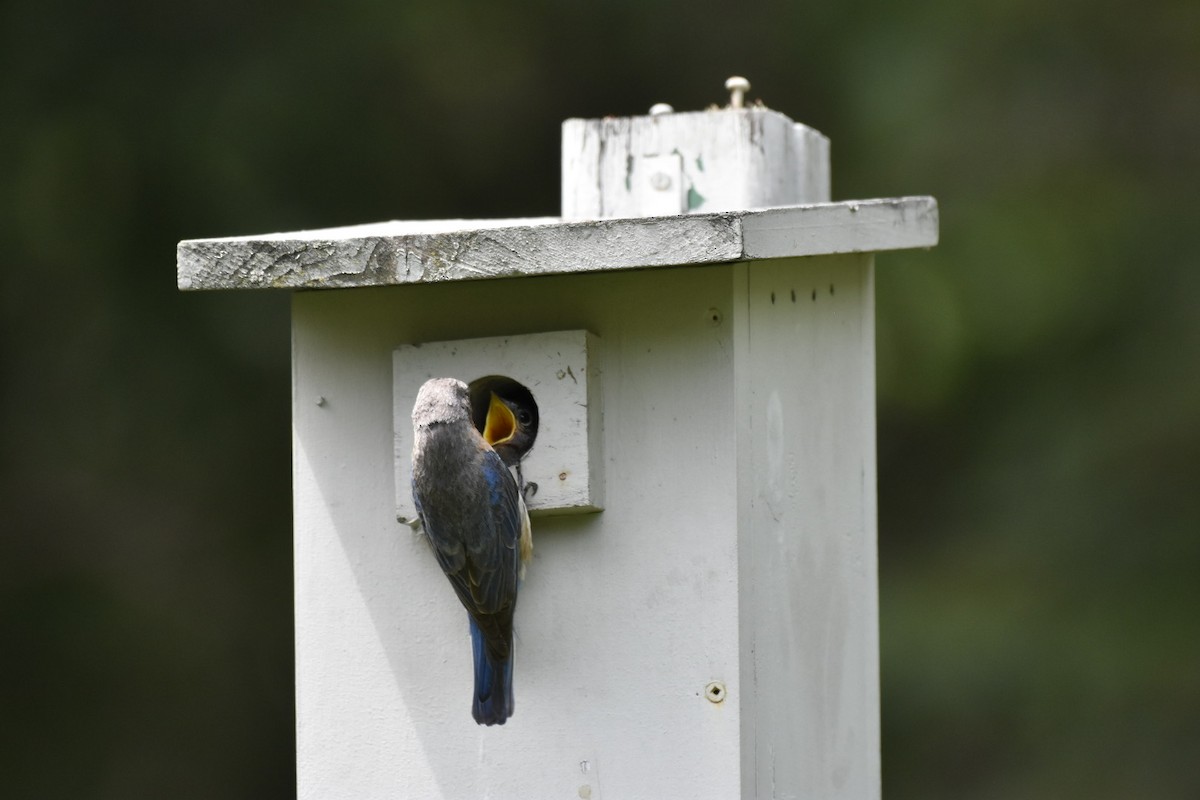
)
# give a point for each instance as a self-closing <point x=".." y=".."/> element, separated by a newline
<point x="442" y="400"/>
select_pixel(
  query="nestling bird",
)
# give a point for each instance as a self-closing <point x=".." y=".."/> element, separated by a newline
<point x="475" y="518"/>
<point x="507" y="415"/>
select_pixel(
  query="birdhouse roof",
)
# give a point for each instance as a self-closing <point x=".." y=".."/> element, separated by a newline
<point x="427" y="251"/>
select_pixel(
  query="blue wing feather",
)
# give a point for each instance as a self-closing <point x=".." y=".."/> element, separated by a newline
<point x="474" y="523"/>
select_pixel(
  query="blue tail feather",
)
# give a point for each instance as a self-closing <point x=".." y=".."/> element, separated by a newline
<point x="493" y="699"/>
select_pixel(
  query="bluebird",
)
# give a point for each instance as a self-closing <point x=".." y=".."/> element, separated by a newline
<point x="473" y="513"/>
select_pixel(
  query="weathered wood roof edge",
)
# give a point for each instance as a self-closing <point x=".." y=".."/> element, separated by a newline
<point x="390" y="253"/>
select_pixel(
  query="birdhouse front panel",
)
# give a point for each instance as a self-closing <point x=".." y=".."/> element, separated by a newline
<point x="626" y="616"/>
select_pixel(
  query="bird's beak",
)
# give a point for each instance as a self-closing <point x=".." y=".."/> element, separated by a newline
<point x="501" y="425"/>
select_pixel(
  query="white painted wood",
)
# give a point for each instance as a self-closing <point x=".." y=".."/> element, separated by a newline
<point x="350" y="258"/>
<point x="565" y="468"/>
<point x="857" y="226"/>
<point x="811" y="154"/>
<point x="625" y="616"/>
<point x="737" y="544"/>
<point x="805" y="418"/>
<point x="658" y="182"/>
<point x="439" y="250"/>
<point x="732" y="160"/>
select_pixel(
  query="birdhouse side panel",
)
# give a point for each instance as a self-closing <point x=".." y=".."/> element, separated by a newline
<point x="807" y="526"/>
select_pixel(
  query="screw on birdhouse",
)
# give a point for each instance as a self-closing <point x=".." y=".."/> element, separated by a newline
<point x="661" y="108"/>
<point x="715" y="692"/>
<point x="320" y="402"/>
<point x="660" y="181"/>
<point x="737" y="86"/>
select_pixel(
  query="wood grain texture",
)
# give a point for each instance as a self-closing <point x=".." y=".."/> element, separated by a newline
<point x="435" y="251"/>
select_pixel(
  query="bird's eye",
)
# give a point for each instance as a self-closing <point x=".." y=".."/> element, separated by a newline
<point x="524" y="417"/>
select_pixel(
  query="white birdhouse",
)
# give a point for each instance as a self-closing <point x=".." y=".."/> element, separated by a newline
<point x="700" y="616"/>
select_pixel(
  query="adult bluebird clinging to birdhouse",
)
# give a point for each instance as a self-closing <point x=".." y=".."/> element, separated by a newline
<point x="475" y="518"/>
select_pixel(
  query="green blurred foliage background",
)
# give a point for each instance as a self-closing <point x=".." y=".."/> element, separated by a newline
<point x="1039" y="372"/>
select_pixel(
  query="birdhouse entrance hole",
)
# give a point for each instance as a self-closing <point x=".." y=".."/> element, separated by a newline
<point x="537" y="386"/>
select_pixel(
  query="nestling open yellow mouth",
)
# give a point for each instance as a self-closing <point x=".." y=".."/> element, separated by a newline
<point x="501" y="425"/>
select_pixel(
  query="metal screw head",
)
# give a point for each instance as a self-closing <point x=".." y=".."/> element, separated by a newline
<point x="661" y="108"/>
<point x="737" y="86"/>
<point x="715" y="692"/>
